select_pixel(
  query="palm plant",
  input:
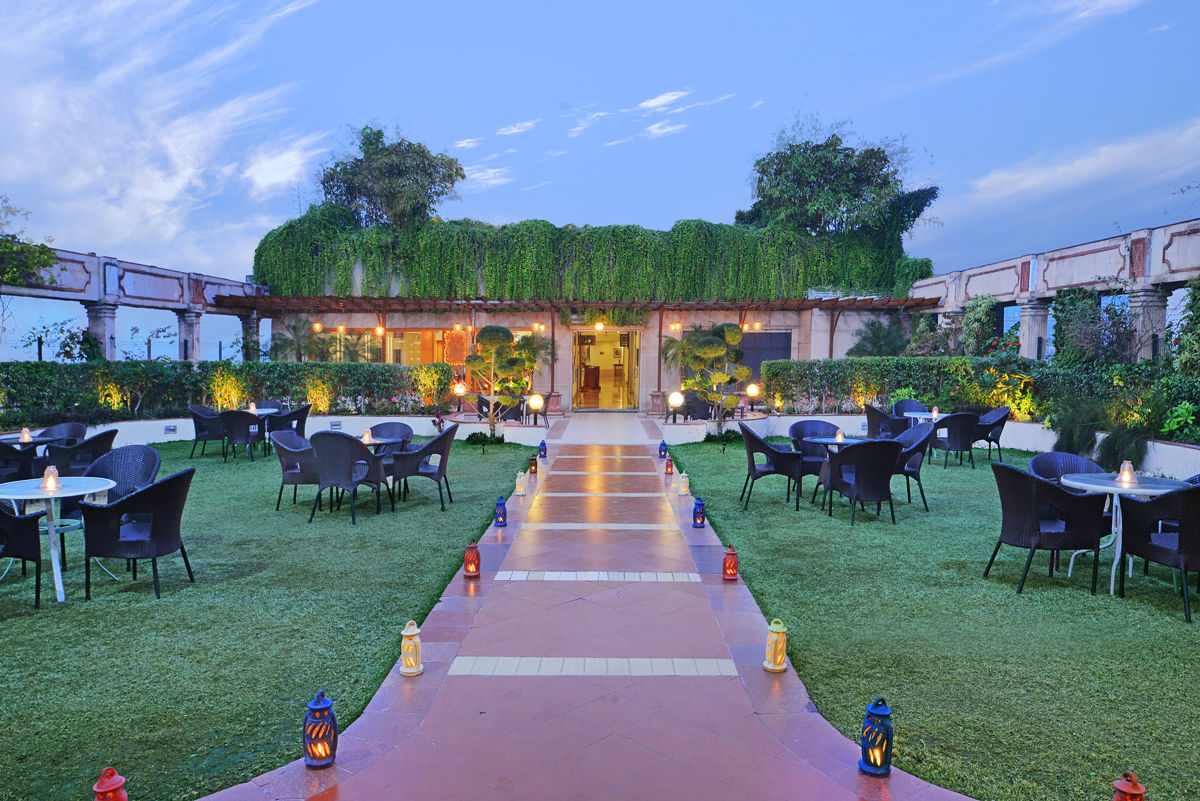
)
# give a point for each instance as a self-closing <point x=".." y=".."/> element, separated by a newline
<point x="291" y="340"/>
<point x="536" y="350"/>
<point x="676" y="353"/>
<point x="877" y="339"/>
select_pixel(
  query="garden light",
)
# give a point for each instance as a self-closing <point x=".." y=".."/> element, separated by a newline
<point x="776" y="661"/>
<point x="542" y="449"/>
<point x="752" y="393"/>
<point x="662" y="449"/>
<point x="318" y="328"/>
<point x="758" y="325"/>
<point x="471" y="560"/>
<point x="599" y="325"/>
<point x="50" y="480"/>
<point x="745" y="326"/>
<point x="1127" y="478"/>
<point x="458" y="326"/>
<point x="320" y="733"/>
<point x="533" y="465"/>
<point x="501" y="514"/>
<point x="729" y="565"/>
<point x="675" y="400"/>
<point x="1128" y="789"/>
<point x="25" y="435"/>
<point x="341" y="329"/>
<point x="876" y="757"/>
<point x="698" y="513"/>
<point x="460" y="389"/>
<point x="410" y="650"/>
<point x="522" y="483"/>
<point x="535" y="404"/>
<point x="379" y="330"/>
<point x="684" y="484"/>
<point x="670" y="467"/>
<point x="111" y="786"/>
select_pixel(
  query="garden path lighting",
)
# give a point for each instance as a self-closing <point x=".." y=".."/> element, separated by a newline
<point x="1127" y="478"/>
<point x="533" y="465"/>
<point x="729" y="565"/>
<point x="535" y="403"/>
<point x="776" y="654"/>
<point x="522" y="483"/>
<point x="460" y="390"/>
<point x="876" y="759"/>
<point x="752" y="393"/>
<point x="698" y="513"/>
<point x="111" y="786"/>
<point x="501" y="514"/>
<point x="410" y="650"/>
<point x="471" y="560"/>
<point x="320" y="733"/>
<point x="1128" y="789"/>
<point x="670" y="467"/>
<point x="675" y="400"/>
<point x="662" y="449"/>
<point x="684" y="484"/>
<point x="542" y="449"/>
<point x="25" y="435"/>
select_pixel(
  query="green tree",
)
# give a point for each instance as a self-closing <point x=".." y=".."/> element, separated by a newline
<point x="22" y="261"/>
<point x="978" y="324"/>
<point x="493" y="366"/>
<point x="715" y="363"/>
<point x="877" y="338"/>
<point x="398" y="183"/>
<point x="290" y="340"/>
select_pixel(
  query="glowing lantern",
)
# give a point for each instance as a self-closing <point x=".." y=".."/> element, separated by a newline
<point x="729" y="565"/>
<point x="1126" y="477"/>
<point x="684" y="484"/>
<point x="599" y="325"/>
<point x="253" y="408"/>
<point x="410" y="650"/>
<point x="366" y="437"/>
<point x="752" y="393"/>
<point x="111" y="786"/>
<point x="501" y="514"/>
<point x="379" y="330"/>
<point x="318" y="328"/>
<point x="934" y="412"/>
<point x="662" y="449"/>
<point x="458" y="326"/>
<point x="460" y="389"/>
<point x="698" y="513"/>
<point x="675" y="400"/>
<point x="542" y="449"/>
<point x="341" y="329"/>
<point x="1128" y="789"/>
<point x="745" y="326"/>
<point x="535" y="403"/>
<point x="670" y="466"/>
<point x="758" y="325"/>
<point x="876" y="757"/>
<point x="320" y="733"/>
<point x="522" y="482"/>
<point x="840" y="436"/>
<point x="50" y="480"/>
<point x="471" y="560"/>
<point x="776" y="654"/>
<point x="25" y="435"/>
<point x="533" y="465"/>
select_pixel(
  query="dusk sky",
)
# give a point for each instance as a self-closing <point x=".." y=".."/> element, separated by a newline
<point x="178" y="133"/>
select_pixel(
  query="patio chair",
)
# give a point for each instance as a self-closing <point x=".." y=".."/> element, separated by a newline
<point x="268" y="403"/>
<point x="862" y="472"/>
<point x="400" y="431"/>
<point x="293" y="421"/>
<point x="420" y="462"/>
<point x="241" y="428"/>
<point x="960" y="436"/>
<point x="813" y="455"/>
<point x="908" y="405"/>
<point x="297" y="463"/>
<point x="130" y="466"/>
<point x="344" y="464"/>
<point x="64" y="433"/>
<point x="915" y="444"/>
<point x="16" y="463"/>
<point x="1053" y="465"/>
<point x="483" y="407"/>
<point x="777" y="462"/>
<point x="694" y="408"/>
<point x="145" y="524"/>
<point x="74" y="460"/>
<point x="21" y="539"/>
<point x="1077" y="523"/>
<point x="881" y="425"/>
<point x="1173" y="525"/>
<point x="208" y="427"/>
<point x="991" y="426"/>
<point x="1178" y="549"/>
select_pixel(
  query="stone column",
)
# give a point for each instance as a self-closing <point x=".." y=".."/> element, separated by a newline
<point x="189" y="335"/>
<point x="102" y="324"/>
<point x="250" y="338"/>
<point x="1148" y="307"/>
<point x="952" y="320"/>
<point x="1035" y="315"/>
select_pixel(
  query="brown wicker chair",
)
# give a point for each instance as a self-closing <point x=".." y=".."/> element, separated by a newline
<point x="1077" y="524"/>
<point x="960" y="436"/>
<point x="21" y="539"/>
<point x="777" y="462"/>
<point x="208" y="427"/>
<point x="241" y="428"/>
<point x="862" y="472"/>
<point x="915" y="444"/>
<point x="1178" y="549"/>
<point x="420" y="463"/>
<point x="297" y="462"/>
<point x="344" y="464"/>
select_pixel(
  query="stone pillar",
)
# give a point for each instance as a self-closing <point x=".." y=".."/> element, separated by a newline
<point x="1035" y="315"/>
<point x="189" y="335"/>
<point x="1148" y="307"/>
<point x="102" y="324"/>
<point x="250" y="337"/>
<point x="952" y="320"/>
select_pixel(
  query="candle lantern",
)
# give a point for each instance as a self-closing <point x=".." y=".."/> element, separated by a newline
<point x="1126" y="477"/>
<point x="522" y="483"/>
<point x="662" y="449"/>
<point x="111" y="786"/>
<point x="698" y="513"/>
<point x="253" y="408"/>
<point x="684" y="484"/>
<point x="50" y="480"/>
<point x="729" y="565"/>
<point x="501" y="514"/>
<point x="934" y="412"/>
<point x="366" y="437"/>
<point x="876" y="757"/>
<point x="599" y="326"/>
<point x="675" y="400"/>
<point x="542" y="449"/>
<point x="533" y="465"/>
<point x="320" y="733"/>
<point x="471" y="560"/>
<point x="776" y="655"/>
<point x="410" y="650"/>
<point x="1128" y="789"/>
<point x="25" y="435"/>
<point x="670" y="467"/>
<point x="535" y="403"/>
<point x="840" y="436"/>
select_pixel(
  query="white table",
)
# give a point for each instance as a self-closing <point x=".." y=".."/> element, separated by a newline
<point x="263" y="410"/>
<point x="924" y="416"/>
<point x="1107" y="483"/>
<point x="72" y="487"/>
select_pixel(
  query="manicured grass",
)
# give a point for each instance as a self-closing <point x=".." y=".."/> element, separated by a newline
<point x="207" y="687"/>
<point x="1045" y="695"/>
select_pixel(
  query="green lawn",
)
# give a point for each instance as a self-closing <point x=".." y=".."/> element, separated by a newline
<point x="207" y="687"/>
<point x="1045" y="695"/>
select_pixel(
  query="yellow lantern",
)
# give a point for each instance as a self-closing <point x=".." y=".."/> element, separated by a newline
<point x="318" y="328"/>
<point x="934" y="412"/>
<point x="366" y="437"/>
<point x="341" y="329"/>
<point x="776" y="660"/>
<point x="379" y="330"/>
<point x="410" y="650"/>
<point x="25" y="435"/>
<point x="253" y="408"/>
<point x="50" y="481"/>
<point x="535" y="403"/>
<point x="758" y="325"/>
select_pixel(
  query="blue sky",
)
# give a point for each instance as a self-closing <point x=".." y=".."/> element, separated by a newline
<point x="178" y="133"/>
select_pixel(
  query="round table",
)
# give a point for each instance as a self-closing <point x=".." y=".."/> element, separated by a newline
<point x="35" y="439"/>
<point x="1107" y="483"/>
<point x="72" y="487"/>
<point x="833" y="442"/>
<point x="924" y="415"/>
<point x="263" y="410"/>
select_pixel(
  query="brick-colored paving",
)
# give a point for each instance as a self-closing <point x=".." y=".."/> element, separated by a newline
<point x="589" y="684"/>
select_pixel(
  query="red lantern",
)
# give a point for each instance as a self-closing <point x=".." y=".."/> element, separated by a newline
<point x="471" y="561"/>
<point x="729" y="567"/>
<point x="111" y="786"/>
<point x="1128" y="789"/>
<point x="670" y="465"/>
<point x="533" y="465"/>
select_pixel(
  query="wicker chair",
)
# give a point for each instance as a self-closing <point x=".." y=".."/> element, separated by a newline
<point x="344" y="464"/>
<point x="74" y="460"/>
<point x="694" y="408"/>
<point x="241" y="428"/>
<point x="915" y="444"/>
<point x="268" y="403"/>
<point x="960" y="436"/>
<point x="21" y="539"/>
<point x="208" y="428"/>
<point x="814" y="455"/>
<point x="16" y="463"/>
<point x="145" y="524"/>
<point x="65" y="433"/>
<point x="1053" y="465"/>
<point x="293" y="421"/>
<point x="991" y="426"/>
<point x="1178" y="549"/>
<point x="900" y="407"/>
<point x="297" y="462"/>
<point x="1077" y="524"/>
<point x="880" y="424"/>
<point x="420" y="463"/>
<point x="862" y="472"/>
<point x="400" y="431"/>
<point x="130" y="466"/>
<point x="778" y="462"/>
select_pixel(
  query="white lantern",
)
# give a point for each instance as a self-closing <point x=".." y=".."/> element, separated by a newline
<point x="410" y="650"/>
<point x="684" y="484"/>
<point x="522" y="483"/>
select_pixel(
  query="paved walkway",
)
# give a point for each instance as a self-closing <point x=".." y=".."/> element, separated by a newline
<point x="599" y="656"/>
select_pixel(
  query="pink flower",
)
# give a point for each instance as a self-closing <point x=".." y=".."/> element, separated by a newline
<point x="395" y="399"/>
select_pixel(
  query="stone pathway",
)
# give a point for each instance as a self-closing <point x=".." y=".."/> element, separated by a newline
<point x="599" y="656"/>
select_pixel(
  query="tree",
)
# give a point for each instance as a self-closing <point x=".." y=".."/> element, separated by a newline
<point x="23" y="262"/>
<point x="493" y="366"/>
<point x="397" y="184"/>
<point x="715" y="363"/>
<point x="291" y="339"/>
<point x="878" y="339"/>
<point x="978" y="324"/>
<point x="1087" y="332"/>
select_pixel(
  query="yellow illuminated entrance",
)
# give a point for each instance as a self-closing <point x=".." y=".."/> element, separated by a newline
<point x="606" y="370"/>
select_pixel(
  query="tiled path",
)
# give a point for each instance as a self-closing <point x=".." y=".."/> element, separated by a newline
<point x="599" y="656"/>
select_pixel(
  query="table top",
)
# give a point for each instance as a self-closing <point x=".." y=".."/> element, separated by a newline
<point x="1107" y="482"/>
<point x="924" y="415"/>
<point x="36" y="439"/>
<point x="835" y="441"/>
<point x="72" y="486"/>
<point x="383" y="440"/>
<point x="261" y="410"/>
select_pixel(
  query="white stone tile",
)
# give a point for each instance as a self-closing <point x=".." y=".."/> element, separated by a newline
<point x="528" y="666"/>
<point x="536" y="575"/>
<point x="504" y="575"/>
<point x="520" y="575"/>
<point x="727" y="667"/>
<point x="694" y="577"/>
<point x="640" y="667"/>
<point x="617" y="666"/>
<point x="506" y="666"/>
<point x="572" y="666"/>
<point x="664" y="577"/>
<point x="644" y="576"/>
<point x="461" y="666"/>
<point x="551" y="666"/>
<point x="484" y="666"/>
<point x="595" y="666"/>
<point x="662" y="667"/>
<point x="685" y="667"/>
<point x="708" y="667"/>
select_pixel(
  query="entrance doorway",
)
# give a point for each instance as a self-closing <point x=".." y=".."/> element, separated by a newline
<point x="606" y="370"/>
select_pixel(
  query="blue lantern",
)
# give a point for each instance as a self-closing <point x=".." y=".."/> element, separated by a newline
<point x="876" y="757"/>
<point x="662" y="449"/>
<point x="501" y="513"/>
<point x="542" y="449"/>
<point x="320" y="732"/>
<point x="698" y="514"/>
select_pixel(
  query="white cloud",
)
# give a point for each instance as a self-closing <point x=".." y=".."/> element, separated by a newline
<point x="467" y="144"/>
<point x="553" y="154"/>
<point x="583" y="123"/>
<point x="1166" y="26"/>
<point x="535" y="186"/>
<point x="270" y="170"/>
<point x="662" y="101"/>
<point x="662" y="128"/>
<point x="518" y="127"/>
<point x="756" y="104"/>
<point x="712" y="102"/>
<point x="489" y="158"/>
<point x="481" y="178"/>
<point x="618" y="141"/>
<point x="510" y="150"/>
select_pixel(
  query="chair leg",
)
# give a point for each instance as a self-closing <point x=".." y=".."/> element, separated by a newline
<point x="921" y="487"/>
<point x="186" y="563"/>
<point x="745" y="484"/>
<point x="1121" y="581"/>
<point x="279" y="500"/>
<point x="816" y="487"/>
<point x="908" y="486"/>
<point x="1187" y="605"/>
<point x="449" y="494"/>
<point x="1000" y="451"/>
<point x="853" y="509"/>
<point x="377" y="507"/>
<point x="946" y="460"/>
<point x="154" y="567"/>
<point x="193" y="453"/>
<point x="353" y="498"/>
<point x="37" y="585"/>
<point x="988" y="569"/>
<point x="295" y="487"/>
<point x="440" y="498"/>
<point x="1025" y="572"/>
<point x="893" y="510"/>
<point x="62" y="550"/>
<point x="134" y="561"/>
<point x="87" y="578"/>
<point x="1095" y="569"/>
<point x="971" y="453"/>
<point x="748" y="494"/>
<point x="203" y="445"/>
<point x="316" y="500"/>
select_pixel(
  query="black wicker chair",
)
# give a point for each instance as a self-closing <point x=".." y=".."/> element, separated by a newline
<point x="915" y="444"/>
<point x="881" y="425"/>
<point x="21" y="539"/>
<point x="1053" y="465"/>
<point x="74" y="460"/>
<point x="814" y="455"/>
<point x="862" y="472"/>
<point x="400" y="431"/>
<point x="145" y="524"/>
<point x="241" y="428"/>
<point x="960" y="436"/>
<point x="65" y="433"/>
<point x="130" y="466"/>
<point x="293" y="421"/>
<point x="208" y="426"/>
<point x="16" y="463"/>
<point x="420" y="463"/>
<point x="268" y="403"/>
<point x="344" y="464"/>
<point x="297" y="462"/>
<point x="1077" y="524"/>
<point x="908" y="405"/>
<point x="1178" y="549"/>
<point x="483" y="407"/>
<point x="991" y="426"/>
<point x="777" y="462"/>
<point x="694" y="408"/>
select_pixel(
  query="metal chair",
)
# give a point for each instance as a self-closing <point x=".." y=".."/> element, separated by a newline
<point x="915" y="444"/>
<point x="208" y="427"/>
<point x="297" y="463"/>
<point x="990" y="427"/>
<point x="1178" y="549"/>
<point x="862" y="472"/>
<point x="21" y="539"/>
<point x="960" y="436"/>
<point x="241" y="428"/>
<point x="777" y="462"/>
<point x="344" y="464"/>
<point x="420" y="463"/>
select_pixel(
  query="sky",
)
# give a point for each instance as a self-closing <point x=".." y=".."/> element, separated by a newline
<point x="178" y="133"/>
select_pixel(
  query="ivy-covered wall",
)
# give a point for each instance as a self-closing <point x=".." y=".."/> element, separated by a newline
<point x="695" y="260"/>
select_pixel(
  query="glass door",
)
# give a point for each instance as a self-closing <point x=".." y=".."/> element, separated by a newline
<point x="605" y="374"/>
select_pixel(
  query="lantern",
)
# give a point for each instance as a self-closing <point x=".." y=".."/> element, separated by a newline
<point x="840" y="436"/>
<point x="341" y="329"/>
<point x="752" y="393"/>
<point x="366" y="437"/>
<point x="535" y="404"/>
<point x="876" y="757"/>
<point x="111" y="786"/>
<point x="1128" y="789"/>
<point x="934" y="412"/>
<point x="758" y="325"/>
<point x="542" y="449"/>
<point x="675" y="400"/>
<point x="320" y="733"/>
<point x="1126" y="477"/>
<point x="460" y="389"/>
<point x="410" y="650"/>
<point x="776" y="660"/>
<point x="50" y="481"/>
<point x="662" y="449"/>
<point x="253" y="408"/>
<point x="729" y="565"/>
<point x="599" y="325"/>
<point x="745" y="326"/>
<point x="471" y="560"/>
<point x="670" y="468"/>
<point x="698" y="513"/>
<point x="522" y="483"/>
<point x="25" y="435"/>
<point x="533" y="465"/>
<point x="379" y="330"/>
<point x="318" y="328"/>
<point x="684" y="484"/>
<point x="501" y="514"/>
